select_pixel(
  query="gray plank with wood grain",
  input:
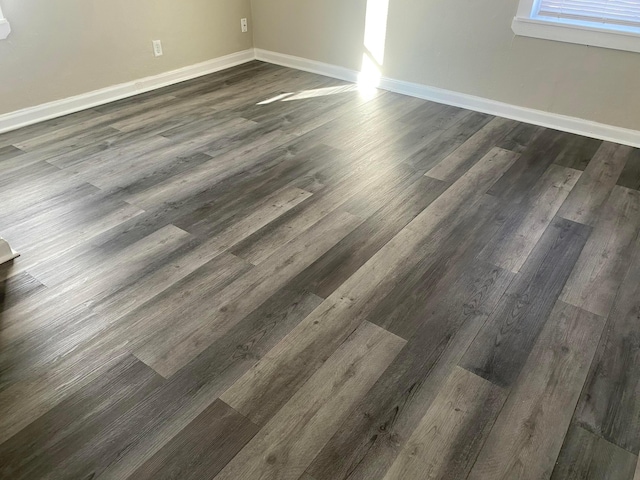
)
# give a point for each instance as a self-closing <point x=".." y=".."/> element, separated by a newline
<point x="447" y="440"/>
<point x="610" y="402"/>
<point x="286" y="445"/>
<point x="527" y="435"/>
<point x="597" y="276"/>
<point x="525" y="226"/>
<point x="585" y="455"/>
<point x="595" y="185"/>
<point x="503" y="345"/>
<point x="203" y="447"/>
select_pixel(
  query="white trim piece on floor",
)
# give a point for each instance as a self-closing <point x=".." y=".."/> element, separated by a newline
<point x="5" y="27"/>
<point x="28" y="116"/>
<point x="6" y="252"/>
<point x="556" y="121"/>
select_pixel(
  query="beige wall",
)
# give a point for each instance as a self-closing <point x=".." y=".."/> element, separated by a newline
<point x="61" y="48"/>
<point x="462" y="45"/>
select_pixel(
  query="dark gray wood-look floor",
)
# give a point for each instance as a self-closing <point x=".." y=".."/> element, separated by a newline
<point x="267" y="274"/>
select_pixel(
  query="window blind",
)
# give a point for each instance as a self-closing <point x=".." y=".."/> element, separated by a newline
<point x="619" y="12"/>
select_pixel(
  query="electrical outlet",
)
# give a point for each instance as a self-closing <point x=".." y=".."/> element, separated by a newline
<point x="157" y="48"/>
<point x="244" y="25"/>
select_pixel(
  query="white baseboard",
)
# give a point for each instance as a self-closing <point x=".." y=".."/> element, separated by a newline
<point x="28" y="116"/>
<point x="306" y="65"/>
<point x="59" y="108"/>
<point x="523" y="114"/>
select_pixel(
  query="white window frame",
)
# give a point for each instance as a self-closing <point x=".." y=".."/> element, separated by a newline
<point x="5" y="28"/>
<point x="618" y="37"/>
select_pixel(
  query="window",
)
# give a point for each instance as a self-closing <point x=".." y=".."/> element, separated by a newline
<point x="5" y="28"/>
<point x="601" y="23"/>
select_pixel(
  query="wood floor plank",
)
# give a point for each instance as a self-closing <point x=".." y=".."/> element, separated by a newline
<point x="446" y="441"/>
<point x="169" y="409"/>
<point x="216" y="208"/>
<point x="610" y="403"/>
<point x="39" y="241"/>
<point x="192" y="181"/>
<point x="430" y="139"/>
<point x="595" y="280"/>
<point x="527" y="435"/>
<point x="502" y="347"/>
<point x="578" y="152"/>
<point x="240" y="75"/>
<point x="637" y="475"/>
<point x="75" y="286"/>
<point x="367" y="126"/>
<point x="463" y="158"/>
<point x="31" y="131"/>
<point x="261" y="392"/>
<point x="60" y="226"/>
<point x="259" y="89"/>
<point x="170" y="350"/>
<point x="364" y="185"/>
<point x="188" y="300"/>
<point x="514" y="243"/>
<point x="297" y="164"/>
<point x="595" y="185"/>
<point x="52" y="207"/>
<point x="368" y="442"/>
<point x="448" y="141"/>
<point x="70" y="438"/>
<point x="542" y="150"/>
<point x="471" y="185"/>
<point x="203" y="448"/>
<point x="67" y="140"/>
<point x="173" y="407"/>
<point x="316" y="118"/>
<point x="440" y="314"/>
<point x="79" y="346"/>
<point x="158" y="163"/>
<point x="269" y="210"/>
<point x="22" y="403"/>
<point x="15" y="290"/>
<point x="9" y="152"/>
<point x="172" y="108"/>
<point x="303" y="111"/>
<point x="77" y="133"/>
<point x="38" y="182"/>
<point x="585" y="456"/>
<point x="443" y="271"/>
<point x="368" y="201"/>
<point x="72" y="270"/>
<point x="429" y="111"/>
<point x="520" y="137"/>
<point x="111" y="151"/>
<point x="286" y="445"/>
<point x="160" y="276"/>
<point x="331" y="270"/>
<point x="630" y="176"/>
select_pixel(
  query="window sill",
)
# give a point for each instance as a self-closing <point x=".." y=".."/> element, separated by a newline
<point x="550" y="29"/>
<point x="5" y="28"/>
